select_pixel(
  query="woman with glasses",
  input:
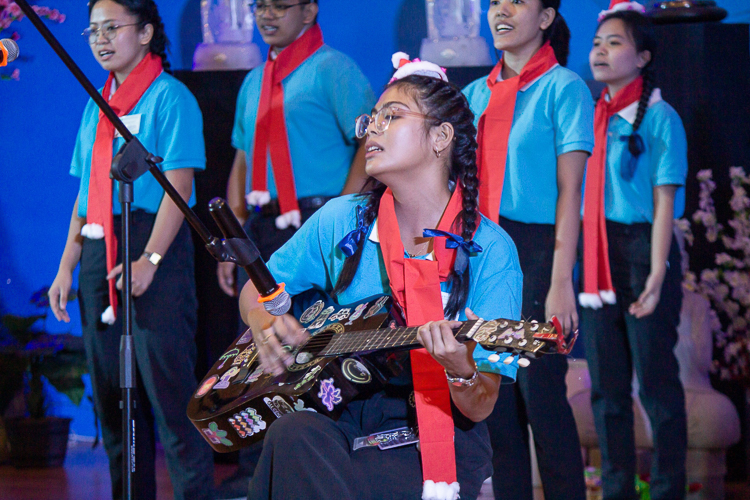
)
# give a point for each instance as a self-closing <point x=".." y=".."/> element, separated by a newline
<point x="421" y="159"/>
<point x="127" y="39"/>
<point x="534" y="119"/>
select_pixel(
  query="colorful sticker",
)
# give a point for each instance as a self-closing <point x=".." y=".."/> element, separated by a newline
<point x="246" y="337"/>
<point x="356" y="372"/>
<point x="340" y="315"/>
<point x="247" y="422"/>
<point x="206" y="386"/>
<point x="227" y="355"/>
<point x="328" y="394"/>
<point x="322" y="318"/>
<point x="243" y="357"/>
<point x="278" y="406"/>
<point x="311" y="312"/>
<point x="227" y="377"/>
<point x="376" y="307"/>
<point x="253" y="377"/>
<point x="357" y="313"/>
<point x="215" y="435"/>
<point x="484" y="332"/>
<point x="299" y="405"/>
<point x="308" y="377"/>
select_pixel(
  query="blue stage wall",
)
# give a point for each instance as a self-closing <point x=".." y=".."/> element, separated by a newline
<point x="39" y="117"/>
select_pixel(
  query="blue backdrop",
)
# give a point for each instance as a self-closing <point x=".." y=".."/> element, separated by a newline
<point x="39" y="117"/>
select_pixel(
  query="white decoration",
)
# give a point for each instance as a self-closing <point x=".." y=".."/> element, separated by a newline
<point x="440" y="491"/>
<point x="397" y="57"/>
<point x="293" y="218"/>
<point x="108" y="316"/>
<point x="258" y="198"/>
<point x="93" y="231"/>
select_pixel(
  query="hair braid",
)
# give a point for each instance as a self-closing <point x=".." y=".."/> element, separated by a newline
<point x="635" y="143"/>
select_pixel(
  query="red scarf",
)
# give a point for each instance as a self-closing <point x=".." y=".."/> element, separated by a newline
<point x="415" y="285"/>
<point x="99" y="209"/>
<point x="270" y="126"/>
<point x="596" y="273"/>
<point x="495" y="124"/>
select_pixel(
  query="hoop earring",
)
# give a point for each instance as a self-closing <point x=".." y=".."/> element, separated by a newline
<point x="437" y="153"/>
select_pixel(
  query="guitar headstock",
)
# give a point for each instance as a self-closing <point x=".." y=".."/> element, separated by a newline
<point x="529" y="338"/>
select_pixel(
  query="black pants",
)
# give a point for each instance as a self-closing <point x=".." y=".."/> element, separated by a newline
<point x="616" y="344"/>
<point x="164" y="323"/>
<point x="306" y="455"/>
<point x="539" y="396"/>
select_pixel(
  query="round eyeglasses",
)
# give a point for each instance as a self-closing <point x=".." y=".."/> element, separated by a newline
<point x="277" y="10"/>
<point x="381" y="120"/>
<point x="109" y="31"/>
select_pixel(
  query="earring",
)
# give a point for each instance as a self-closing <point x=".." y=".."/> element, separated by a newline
<point x="437" y="153"/>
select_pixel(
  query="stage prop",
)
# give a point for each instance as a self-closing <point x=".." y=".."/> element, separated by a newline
<point x="227" y="27"/>
<point x="453" y="34"/>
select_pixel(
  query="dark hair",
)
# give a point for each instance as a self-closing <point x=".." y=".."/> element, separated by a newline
<point x="147" y="13"/>
<point x="443" y="102"/>
<point x="639" y="27"/>
<point x="558" y="34"/>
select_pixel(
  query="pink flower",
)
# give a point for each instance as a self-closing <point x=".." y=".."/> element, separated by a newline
<point x="704" y="175"/>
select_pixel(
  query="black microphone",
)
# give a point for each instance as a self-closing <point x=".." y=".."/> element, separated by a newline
<point x="244" y="252"/>
<point x="8" y="51"/>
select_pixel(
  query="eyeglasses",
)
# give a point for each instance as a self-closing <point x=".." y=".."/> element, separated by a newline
<point x="381" y="120"/>
<point x="109" y="31"/>
<point x="277" y="10"/>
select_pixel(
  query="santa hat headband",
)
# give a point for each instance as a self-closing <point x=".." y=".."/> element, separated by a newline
<point x="405" y="67"/>
<point x="621" y="5"/>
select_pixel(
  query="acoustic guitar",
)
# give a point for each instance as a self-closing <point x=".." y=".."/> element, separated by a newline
<point x="351" y="350"/>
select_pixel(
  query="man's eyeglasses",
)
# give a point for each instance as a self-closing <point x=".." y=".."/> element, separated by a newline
<point x="277" y="10"/>
<point x="109" y="31"/>
<point x="381" y="120"/>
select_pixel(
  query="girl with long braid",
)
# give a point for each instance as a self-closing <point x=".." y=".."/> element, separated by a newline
<point x="534" y="119"/>
<point x="127" y="39"/>
<point x="396" y="237"/>
<point x="631" y="264"/>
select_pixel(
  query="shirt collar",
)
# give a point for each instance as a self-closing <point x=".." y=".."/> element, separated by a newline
<point x="375" y="238"/>
<point x="532" y="82"/>
<point x="629" y="112"/>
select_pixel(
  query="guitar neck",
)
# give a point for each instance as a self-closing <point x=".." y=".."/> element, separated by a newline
<point x="384" y="338"/>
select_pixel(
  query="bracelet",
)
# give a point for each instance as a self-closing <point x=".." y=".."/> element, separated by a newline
<point x="463" y="382"/>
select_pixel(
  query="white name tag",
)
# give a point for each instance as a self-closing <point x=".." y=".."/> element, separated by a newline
<point x="132" y="122"/>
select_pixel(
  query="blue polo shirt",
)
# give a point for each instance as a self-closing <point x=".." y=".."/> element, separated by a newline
<point x="663" y="162"/>
<point x="169" y="124"/>
<point x="322" y="99"/>
<point x="554" y="115"/>
<point x="312" y="259"/>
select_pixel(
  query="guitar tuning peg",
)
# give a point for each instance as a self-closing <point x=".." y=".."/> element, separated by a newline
<point x="523" y="362"/>
<point x="493" y="358"/>
<point x="508" y="360"/>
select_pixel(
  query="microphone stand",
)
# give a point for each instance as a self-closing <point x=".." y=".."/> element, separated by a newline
<point x="131" y="162"/>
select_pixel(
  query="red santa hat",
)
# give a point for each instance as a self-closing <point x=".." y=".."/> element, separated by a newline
<point x="405" y="67"/>
<point x="618" y="5"/>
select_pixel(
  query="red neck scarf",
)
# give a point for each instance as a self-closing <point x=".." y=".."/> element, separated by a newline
<point x="597" y="281"/>
<point x="415" y="285"/>
<point x="495" y="124"/>
<point x="270" y="126"/>
<point x="99" y="209"/>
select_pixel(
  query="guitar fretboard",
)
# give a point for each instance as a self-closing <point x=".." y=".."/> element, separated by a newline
<point x="372" y="340"/>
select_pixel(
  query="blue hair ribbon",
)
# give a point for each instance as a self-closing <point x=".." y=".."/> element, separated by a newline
<point x="455" y="241"/>
<point x="351" y="241"/>
<point x="628" y="168"/>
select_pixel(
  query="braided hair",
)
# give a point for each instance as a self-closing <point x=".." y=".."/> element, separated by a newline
<point x="639" y="28"/>
<point x="442" y="102"/>
<point x="147" y="13"/>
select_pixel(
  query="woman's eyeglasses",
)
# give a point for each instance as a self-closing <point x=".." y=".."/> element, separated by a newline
<point x="380" y="121"/>
<point x="109" y="31"/>
<point x="277" y="10"/>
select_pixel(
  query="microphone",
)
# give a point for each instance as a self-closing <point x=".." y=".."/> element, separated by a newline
<point x="244" y="252"/>
<point x="8" y="51"/>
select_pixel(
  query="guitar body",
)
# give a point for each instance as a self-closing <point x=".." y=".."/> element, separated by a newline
<point x="236" y="402"/>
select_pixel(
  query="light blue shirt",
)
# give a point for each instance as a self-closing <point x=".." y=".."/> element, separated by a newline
<point x="312" y="259"/>
<point x="170" y="127"/>
<point x="322" y="99"/>
<point x="554" y="115"/>
<point x="664" y="161"/>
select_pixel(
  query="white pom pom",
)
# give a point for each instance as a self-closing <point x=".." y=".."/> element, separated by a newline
<point x="258" y="198"/>
<point x="608" y="296"/>
<point x="396" y="58"/>
<point x="440" y="491"/>
<point x="108" y="316"/>
<point x="591" y="300"/>
<point x="93" y="231"/>
<point x="293" y="218"/>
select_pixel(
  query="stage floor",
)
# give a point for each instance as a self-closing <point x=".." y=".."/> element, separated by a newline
<point x="86" y="476"/>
